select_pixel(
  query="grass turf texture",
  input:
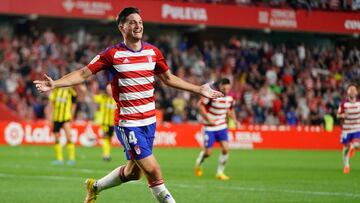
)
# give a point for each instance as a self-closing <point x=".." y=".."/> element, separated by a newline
<point x="26" y="175"/>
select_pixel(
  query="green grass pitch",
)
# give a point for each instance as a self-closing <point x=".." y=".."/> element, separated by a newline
<point x="26" y="175"/>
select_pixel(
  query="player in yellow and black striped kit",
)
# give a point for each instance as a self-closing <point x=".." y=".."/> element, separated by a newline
<point x="62" y="105"/>
<point x="105" y="117"/>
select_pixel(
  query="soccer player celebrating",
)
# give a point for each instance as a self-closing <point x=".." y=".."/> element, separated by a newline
<point x="133" y="65"/>
<point x="63" y="107"/>
<point x="107" y="107"/>
<point x="349" y="112"/>
<point x="214" y="113"/>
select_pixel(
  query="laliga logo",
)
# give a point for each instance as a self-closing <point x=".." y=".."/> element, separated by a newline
<point x="14" y="134"/>
<point x="17" y="134"/>
<point x="183" y="13"/>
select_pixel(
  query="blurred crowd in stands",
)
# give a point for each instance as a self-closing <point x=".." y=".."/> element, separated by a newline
<point x="305" y="4"/>
<point x="272" y="84"/>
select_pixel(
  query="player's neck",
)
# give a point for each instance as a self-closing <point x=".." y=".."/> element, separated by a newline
<point x="352" y="100"/>
<point x="134" y="46"/>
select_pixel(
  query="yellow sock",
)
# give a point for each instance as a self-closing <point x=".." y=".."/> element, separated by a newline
<point x="71" y="151"/>
<point x="58" y="152"/>
<point x="106" y="146"/>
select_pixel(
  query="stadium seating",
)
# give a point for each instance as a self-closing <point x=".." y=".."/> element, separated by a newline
<point x="273" y="83"/>
<point x="305" y="4"/>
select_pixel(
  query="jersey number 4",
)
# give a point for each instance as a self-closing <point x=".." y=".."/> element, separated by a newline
<point x="132" y="138"/>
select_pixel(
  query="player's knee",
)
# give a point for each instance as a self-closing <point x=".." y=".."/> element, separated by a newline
<point x="57" y="139"/>
<point x="153" y="173"/>
<point x="225" y="151"/>
<point x="136" y="175"/>
<point x="129" y="175"/>
<point x="155" y="170"/>
<point x="207" y="153"/>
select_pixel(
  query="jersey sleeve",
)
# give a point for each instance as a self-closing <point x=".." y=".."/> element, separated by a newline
<point x="341" y="108"/>
<point x="161" y="65"/>
<point x="101" y="61"/>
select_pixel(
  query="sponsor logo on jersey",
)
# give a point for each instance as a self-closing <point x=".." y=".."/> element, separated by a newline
<point x="126" y="60"/>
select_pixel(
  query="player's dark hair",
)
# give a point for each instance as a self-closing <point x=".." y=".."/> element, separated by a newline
<point x="351" y="85"/>
<point x="224" y="81"/>
<point x="121" y="18"/>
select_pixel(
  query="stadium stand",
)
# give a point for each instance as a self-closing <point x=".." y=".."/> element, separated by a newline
<point x="273" y="83"/>
<point x="297" y="4"/>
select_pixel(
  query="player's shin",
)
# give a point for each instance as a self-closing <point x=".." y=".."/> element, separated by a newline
<point x="58" y="152"/>
<point x="106" y="147"/>
<point x="71" y="151"/>
<point x="201" y="158"/>
<point x="114" y="178"/>
<point x="222" y="162"/>
<point x="160" y="192"/>
<point x="346" y="150"/>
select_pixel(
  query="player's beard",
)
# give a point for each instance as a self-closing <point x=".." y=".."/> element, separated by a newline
<point x="135" y="37"/>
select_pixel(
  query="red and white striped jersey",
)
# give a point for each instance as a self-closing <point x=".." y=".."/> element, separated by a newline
<point x="352" y="121"/>
<point x="132" y="81"/>
<point x="216" y="110"/>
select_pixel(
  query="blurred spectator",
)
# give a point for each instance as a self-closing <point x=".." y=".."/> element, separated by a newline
<point x="304" y="4"/>
<point x="273" y="83"/>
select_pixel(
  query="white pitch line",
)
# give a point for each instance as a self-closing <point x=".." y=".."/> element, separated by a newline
<point x="61" y="167"/>
<point x="43" y="177"/>
<point x="316" y="193"/>
<point x="250" y="189"/>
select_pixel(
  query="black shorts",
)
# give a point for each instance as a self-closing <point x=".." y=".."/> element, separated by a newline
<point x="58" y="125"/>
<point x="108" y="130"/>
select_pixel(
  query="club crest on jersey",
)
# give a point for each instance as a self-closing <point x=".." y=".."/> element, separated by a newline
<point x="137" y="149"/>
<point x="150" y="59"/>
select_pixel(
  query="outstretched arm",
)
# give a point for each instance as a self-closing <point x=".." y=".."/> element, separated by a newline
<point x="71" y="79"/>
<point x="178" y="83"/>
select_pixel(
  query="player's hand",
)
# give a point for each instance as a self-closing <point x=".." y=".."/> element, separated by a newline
<point x="207" y="91"/>
<point x="44" y="85"/>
